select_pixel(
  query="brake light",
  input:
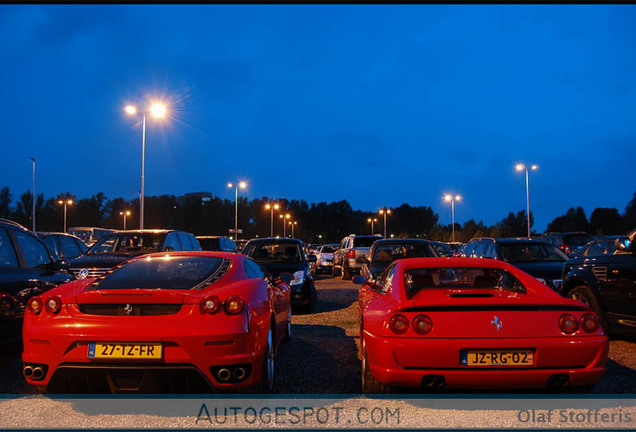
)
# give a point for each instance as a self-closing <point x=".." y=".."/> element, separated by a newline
<point x="36" y="305"/>
<point x="234" y="305"/>
<point x="351" y="254"/>
<point x="53" y="305"/>
<point x="568" y="324"/>
<point x="398" y="324"/>
<point x="210" y="304"/>
<point x="422" y="324"/>
<point x="590" y="322"/>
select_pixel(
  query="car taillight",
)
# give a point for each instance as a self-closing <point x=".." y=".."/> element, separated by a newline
<point x="590" y="323"/>
<point x="398" y="324"/>
<point x="568" y="324"/>
<point x="565" y="249"/>
<point x="210" y="304"/>
<point x="234" y="305"/>
<point x="53" y="305"/>
<point x="351" y="254"/>
<point x="36" y="305"/>
<point x="422" y="324"/>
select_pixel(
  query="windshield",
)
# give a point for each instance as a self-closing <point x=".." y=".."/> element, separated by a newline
<point x="526" y="251"/>
<point x="275" y="253"/>
<point x="181" y="273"/>
<point x="455" y="278"/>
<point x="389" y="252"/>
<point x="364" y="241"/>
<point x="126" y="243"/>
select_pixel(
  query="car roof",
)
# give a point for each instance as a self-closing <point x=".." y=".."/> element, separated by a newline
<point x="520" y="240"/>
<point x="12" y="223"/>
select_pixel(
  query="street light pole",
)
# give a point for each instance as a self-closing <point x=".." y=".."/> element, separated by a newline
<point x="452" y="199"/>
<point x="33" y="211"/>
<point x="372" y="221"/>
<point x="157" y="110"/>
<point x="242" y="185"/>
<point x="271" y="207"/>
<point x="126" y="213"/>
<point x="64" y="202"/>
<point x="293" y="224"/>
<point x="284" y="218"/>
<point x="384" y="211"/>
<point x="521" y="167"/>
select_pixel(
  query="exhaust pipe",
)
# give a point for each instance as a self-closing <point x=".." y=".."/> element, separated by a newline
<point x="427" y="381"/>
<point x="27" y="371"/>
<point x="239" y="373"/>
<point x="439" y="381"/>
<point x="38" y="373"/>
<point x="434" y="381"/>
<point x="224" y="374"/>
<point x="558" y="380"/>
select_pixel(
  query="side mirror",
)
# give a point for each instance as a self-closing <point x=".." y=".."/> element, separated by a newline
<point x="284" y="278"/>
<point x="312" y="258"/>
<point x="362" y="260"/>
<point x="624" y="244"/>
<point x="359" y="280"/>
<point x="60" y="265"/>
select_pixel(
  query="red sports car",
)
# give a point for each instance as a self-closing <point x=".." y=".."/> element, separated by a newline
<point x="432" y="323"/>
<point x="166" y="322"/>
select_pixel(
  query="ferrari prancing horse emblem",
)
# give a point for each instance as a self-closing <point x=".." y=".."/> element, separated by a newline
<point x="497" y="323"/>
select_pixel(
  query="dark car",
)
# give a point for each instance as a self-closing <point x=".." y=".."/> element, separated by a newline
<point x="606" y="283"/>
<point x="534" y="256"/>
<point x="63" y="246"/>
<point x="26" y="269"/>
<point x="384" y="252"/>
<point x="115" y="248"/>
<point x="568" y="242"/>
<point x="604" y="245"/>
<point x="279" y="256"/>
<point x="217" y="243"/>
<point x="442" y="249"/>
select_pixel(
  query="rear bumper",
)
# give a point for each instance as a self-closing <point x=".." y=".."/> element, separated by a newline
<point x="406" y="362"/>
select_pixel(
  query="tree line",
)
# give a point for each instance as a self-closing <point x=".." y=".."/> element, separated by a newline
<point x="316" y="222"/>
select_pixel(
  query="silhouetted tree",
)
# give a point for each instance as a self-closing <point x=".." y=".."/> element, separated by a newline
<point x="606" y="221"/>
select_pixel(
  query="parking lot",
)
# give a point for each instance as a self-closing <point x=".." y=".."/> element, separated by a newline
<point x="322" y="357"/>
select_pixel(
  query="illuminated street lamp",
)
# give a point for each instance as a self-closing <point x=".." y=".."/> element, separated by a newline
<point x="236" y="186"/>
<point x="157" y="110"/>
<point x="450" y="198"/>
<point x="65" y="203"/>
<point x="384" y="211"/>
<point x="372" y="221"/>
<point x="125" y="214"/>
<point x="272" y="207"/>
<point x="293" y="225"/>
<point x="33" y="215"/>
<point x="284" y="218"/>
<point x="522" y="167"/>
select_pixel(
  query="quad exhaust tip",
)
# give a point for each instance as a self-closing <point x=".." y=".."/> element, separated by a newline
<point x="38" y="373"/>
<point x="434" y="381"/>
<point x="224" y="374"/>
<point x="239" y="373"/>
<point x="27" y="371"/>
<point x="559" y="380"/>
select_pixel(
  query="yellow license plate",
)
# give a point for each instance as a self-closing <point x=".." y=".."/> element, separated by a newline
<point x="144" y="351"/>
<point x="497" y="358"/>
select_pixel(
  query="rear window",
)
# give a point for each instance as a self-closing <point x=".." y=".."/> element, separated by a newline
<point x="126" y="243"/>
<point x="416" y="280"/>
<point x="390" y="252"/>
<point x="577" y="239"/>
<point x="274" y="252"/>
<point x="328" y="249"/>
<point x="364" y="241"/>
<point x="182" y="273"/>
<point x="527" y="251"/>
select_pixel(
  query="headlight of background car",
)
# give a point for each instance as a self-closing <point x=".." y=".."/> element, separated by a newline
<point x="299" y="278"/>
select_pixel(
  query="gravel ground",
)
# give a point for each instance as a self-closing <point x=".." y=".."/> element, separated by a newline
<point x="322" y="357"/>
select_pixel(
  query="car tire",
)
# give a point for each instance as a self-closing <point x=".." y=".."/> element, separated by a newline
<point x="266" y="385"/>
<point x="313" y="299"/>
<point x="585" y="294"/>
<point x="369" y="383"/>
<point x="335" y="272"/>
<point x="288" y="331"/>
<point x="346" y="274"/>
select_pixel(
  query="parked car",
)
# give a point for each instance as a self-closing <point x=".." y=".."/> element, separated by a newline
<point x="120" y="246"/>
<point x="26" y="269"/>
<point x="63" y="246"/>
<point x="217" y="243"/>
<point x="568" y="242"/>
<point x="287" y="255"/>
<point x="324" y="257"/>
<point x="165" y="322"/>
<point x="606" y="283"/>
<point x="345" y="257"/>
<point x="536" y="257"/>
<point x="604" y="245"/>
<point x="89" y="235"/>
<point x="462" y="323"/>
<point x="383" y="252"/>
<point x="442" y="249"/>
<point x="240" y="244"/>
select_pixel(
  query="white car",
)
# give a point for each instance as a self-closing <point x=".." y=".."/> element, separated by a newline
<point x="324" y="257"/>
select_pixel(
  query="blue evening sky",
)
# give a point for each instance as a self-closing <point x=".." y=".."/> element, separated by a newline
<point x="375" y="104"/>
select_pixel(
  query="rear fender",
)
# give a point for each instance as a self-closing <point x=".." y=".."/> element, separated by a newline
<point x="579" y="276"/>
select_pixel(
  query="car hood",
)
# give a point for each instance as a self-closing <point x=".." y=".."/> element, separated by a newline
<point x="275" y="269"/>
<point x="542" y="269"/>
<point x="99" y="260"/>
